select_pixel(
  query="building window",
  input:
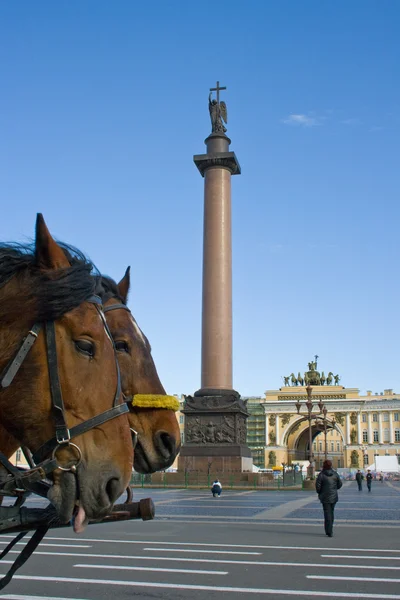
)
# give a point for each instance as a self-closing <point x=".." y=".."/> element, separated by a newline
<point x="386" y="436"/>
<point x="375" y="417"/>
<point x="338" y="446"/>
<point x="364" y="418"/>
<point x="386" y="417"/>
<point x="181" y="418"/>
<point x="365" y="435"/>
<point x="315" y="446"/>
<point x="182" y="437"/>
<point x="396" y="416"/>
<point x="338" y="463"/>
<point x="332" y="446"/>
<point x="397" y="435"/>
<point x="320" y="446"/>
<point x="18" y="455"/>
<point x="376" y="435"/>
<point x="365" y="460"/>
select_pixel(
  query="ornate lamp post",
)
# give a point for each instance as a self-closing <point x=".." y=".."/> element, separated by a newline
<point x="311" y="416"/>
<point x="324" y="411"/>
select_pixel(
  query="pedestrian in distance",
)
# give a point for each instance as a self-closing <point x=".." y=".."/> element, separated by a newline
<point x="327" y="485"/>
<point x="216" y="489"/>
<point x="369" y="480"/>
<point x="359" y="479"/>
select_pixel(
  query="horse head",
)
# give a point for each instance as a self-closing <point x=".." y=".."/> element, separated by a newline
<point x="68" y="382"/>
<point x="158" y="439"/>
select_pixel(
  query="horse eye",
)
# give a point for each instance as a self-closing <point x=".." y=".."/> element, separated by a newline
<point x="85" y="347"/>
<point x="122" y="346"/>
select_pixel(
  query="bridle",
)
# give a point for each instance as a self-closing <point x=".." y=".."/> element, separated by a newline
<point x="42" y="466"/>
<point x="19" y="483"/>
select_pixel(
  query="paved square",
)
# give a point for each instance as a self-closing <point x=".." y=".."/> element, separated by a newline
<point x="244" y="544"/>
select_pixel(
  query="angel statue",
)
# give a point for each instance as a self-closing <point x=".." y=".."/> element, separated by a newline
<point x="218" y="113"/>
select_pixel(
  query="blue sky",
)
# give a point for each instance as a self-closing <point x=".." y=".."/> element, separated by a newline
<point x="103" y="106"/>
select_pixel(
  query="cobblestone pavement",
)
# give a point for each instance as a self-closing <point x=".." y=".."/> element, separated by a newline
<point x="246" y="544"/>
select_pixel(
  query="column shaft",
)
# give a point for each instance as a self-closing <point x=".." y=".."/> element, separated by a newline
<point x="216" y="357"/>
<point x="391" y="428"/>
<point x="370" y="434"/>
<point x="380" y="428"/>
<point x="277" y="431"/>
<point x="359" y="429"/>
<point x="347" y="428"/>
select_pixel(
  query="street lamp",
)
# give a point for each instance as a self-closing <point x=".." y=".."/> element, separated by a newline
<point x="323" y="410"/>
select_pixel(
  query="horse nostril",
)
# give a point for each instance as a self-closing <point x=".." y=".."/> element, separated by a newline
<point x="113" y="489"/>
<point x="165" y="443"/>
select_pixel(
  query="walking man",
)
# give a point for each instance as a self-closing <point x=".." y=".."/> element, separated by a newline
<point x="369" y="480"/>
<point x="327" y="484"/>
<point x="359" y="478"/>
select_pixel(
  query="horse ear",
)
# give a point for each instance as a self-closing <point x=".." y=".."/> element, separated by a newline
<point x="124" y="284"/>
<point x="49" y="255"/>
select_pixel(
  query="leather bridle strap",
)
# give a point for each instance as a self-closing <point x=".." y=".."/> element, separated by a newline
<point x="115" y="306"/>
<point x="13" y="367"/>
<point x="58" y="409"/>
<point x="80" y="429"/>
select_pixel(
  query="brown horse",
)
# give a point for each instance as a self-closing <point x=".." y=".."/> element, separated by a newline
<point x="40" y="285"/>
<point x="158" y="440"/>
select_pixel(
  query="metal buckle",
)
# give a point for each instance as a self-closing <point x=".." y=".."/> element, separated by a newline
<point x="135" y="437"/>
<point x="60" y="437"/>
<point x="74" y="466"/>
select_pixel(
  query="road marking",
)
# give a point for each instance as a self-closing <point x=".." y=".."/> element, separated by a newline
<point x="209" y="588"/>
<point x="117" y="567"/>
<point x="199" y="551"/>
<point x="212" y="545"/>
<point x="214" y="561"/>
<point x="354" y="556"/>
<point x="280" y="512"/>
<point x="380" y="579"/>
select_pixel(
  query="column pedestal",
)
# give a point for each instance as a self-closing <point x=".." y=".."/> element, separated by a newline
<point x="215" y="433"/>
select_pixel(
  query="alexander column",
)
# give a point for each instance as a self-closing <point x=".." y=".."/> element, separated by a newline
<point x="215" y="417"/>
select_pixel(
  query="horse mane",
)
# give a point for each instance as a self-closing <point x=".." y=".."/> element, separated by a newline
<point x="107" y="288"/>
<point x="42" y="294"/>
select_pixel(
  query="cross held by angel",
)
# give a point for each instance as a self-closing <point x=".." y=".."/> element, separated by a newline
<point x="218" y="111"/>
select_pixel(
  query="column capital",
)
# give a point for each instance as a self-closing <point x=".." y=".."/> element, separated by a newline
<point x="222" y="160"/>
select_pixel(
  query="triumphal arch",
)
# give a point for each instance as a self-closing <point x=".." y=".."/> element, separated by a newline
<point x="350" y="429"/>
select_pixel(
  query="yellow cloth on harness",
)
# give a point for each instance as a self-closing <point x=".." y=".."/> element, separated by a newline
<point x="155" y="401"/>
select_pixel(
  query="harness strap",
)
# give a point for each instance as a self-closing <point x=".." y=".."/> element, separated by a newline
<point x="12" y="369"/>
<point x="62" y="432"/>
<point x="115" y="306"/>
<point x="26" y="480"/>
<point x="25" y="554"/>
<point x="119" y="384"/>
<point x="107" y="415"/>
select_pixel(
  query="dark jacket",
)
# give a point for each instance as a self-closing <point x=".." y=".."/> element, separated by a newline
<point x="327" y="484"/>
<point x="359" y="477"/>
<point x="369" y="477"/>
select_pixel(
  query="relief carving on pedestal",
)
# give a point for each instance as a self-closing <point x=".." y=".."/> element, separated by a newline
<point x="220" y="429"/>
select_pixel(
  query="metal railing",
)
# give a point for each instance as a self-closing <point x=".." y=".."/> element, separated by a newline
<point x="193" y="479"/>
